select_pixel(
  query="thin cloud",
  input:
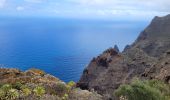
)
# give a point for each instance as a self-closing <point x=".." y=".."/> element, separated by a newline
<point x="90" y="8"/>
<point x="34" y="1"/>
<point x="20" y="8"/>
<point x="2" y="3"/>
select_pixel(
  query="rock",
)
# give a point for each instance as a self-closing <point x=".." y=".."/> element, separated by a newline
<point x="116" y="48"/>
<point x="161" y="70"/>
<point x="126" y="48"/>
<point x="78" y="94"/>
<point x="142" y="59"/>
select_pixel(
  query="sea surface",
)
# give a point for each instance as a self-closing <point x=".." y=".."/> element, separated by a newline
<point x="59" y="46"/>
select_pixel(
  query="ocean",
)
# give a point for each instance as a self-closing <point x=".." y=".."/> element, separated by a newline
<point x="60" y="46"/>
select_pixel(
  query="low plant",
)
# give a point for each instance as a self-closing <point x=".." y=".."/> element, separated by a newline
<point x="39" y="91"/>
<point x="26" y="91"/>
<point x="8" y="93"/>
<point x="2" y="94"/>
<point x="17" y="85"/>
<point x="61" y="89"/>
<point x="71" y="84"/>
<point x="6" y="87"/>
<point x="65" y="97"/>
<point x="12" y="94"/>
<point x="144" y="90"/>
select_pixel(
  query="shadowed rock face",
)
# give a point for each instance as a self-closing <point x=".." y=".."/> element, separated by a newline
<point x="148" y="57"/>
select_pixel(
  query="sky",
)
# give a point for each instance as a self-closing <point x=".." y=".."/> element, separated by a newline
<point x="135" y="9"/>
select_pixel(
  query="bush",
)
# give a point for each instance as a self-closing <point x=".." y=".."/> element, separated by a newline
<point x="8" y="93"/>
<point x="71" y="84"/>
<point x="144" y="90"/>
<point x="39" y="91"/>
<point x="6" y="87"/>
<point x="61" y="89"/>
<point x="17" y="85"/>
<point x="12" y="94"/>
<point x="65" y="97"/>
<point x="26" y="91"/>
<point x="2" y="94"/>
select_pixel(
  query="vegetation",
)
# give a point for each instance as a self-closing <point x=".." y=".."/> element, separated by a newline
<point x="18" y="90"/>
<point x="34" y="84"/>
<point x="61" y="89"/>
<point x="2" y="94"/>
<point x="8" y="93"/>
<point x="17" y="85"/>
<point x="39" y="91"/>
<point x="12" y="94"/>
<point x="26" y="91"/>
<point x="144" y="90"/>
<point x="71" y="84"/>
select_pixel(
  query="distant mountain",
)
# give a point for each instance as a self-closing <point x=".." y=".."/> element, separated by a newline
<point x="148" y="57"/>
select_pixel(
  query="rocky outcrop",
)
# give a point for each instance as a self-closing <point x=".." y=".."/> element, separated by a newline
<point x="30" y="76"/>
<point x="55" y="89"/>
<point x="148" y="57"/>
<point x="161" y="70"/>
<point x="116" y="48"/>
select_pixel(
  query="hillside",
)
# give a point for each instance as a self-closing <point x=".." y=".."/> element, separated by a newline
<point x="147" y="58"/>
<point x="35" y="84"/>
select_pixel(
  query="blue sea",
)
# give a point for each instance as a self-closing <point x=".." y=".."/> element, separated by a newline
<point x="60" y="46"/>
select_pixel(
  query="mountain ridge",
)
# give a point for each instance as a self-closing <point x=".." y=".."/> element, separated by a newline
<point x="138" y="60"/>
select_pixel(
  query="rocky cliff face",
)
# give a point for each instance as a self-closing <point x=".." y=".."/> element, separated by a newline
<point x="148" y="57"/>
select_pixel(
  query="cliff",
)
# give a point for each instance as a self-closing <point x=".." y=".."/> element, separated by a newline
<point x="147" y="58"/>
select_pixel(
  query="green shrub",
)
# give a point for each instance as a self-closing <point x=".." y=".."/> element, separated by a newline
<point x="161" y="86"/>
<point x="8" y="93"/>
<point x="1" y="85"/>
<point x="12" y="94"/>
<point x="17" y="85"/>
<point x="39" y="91"/>
<point x="71" y="84"/>
<point x="2" y="94"/>
<point x="6" y="87"/>
<point x="65" y="97"/>
<point x="144" y="90"/>
<point x="61" y="89"/>
<point x="26" y="91"/>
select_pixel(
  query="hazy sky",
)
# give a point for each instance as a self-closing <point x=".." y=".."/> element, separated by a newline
<point x="139" y="9"/>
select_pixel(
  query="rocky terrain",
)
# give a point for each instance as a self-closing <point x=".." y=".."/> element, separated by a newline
<point x="35" y="84"/>
<point x="147" y="58"/>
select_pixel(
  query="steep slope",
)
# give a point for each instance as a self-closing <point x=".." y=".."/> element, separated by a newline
<point x="106" y="72"/>
<point x="155" y="39"/>
<point x="161" y="70"/>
